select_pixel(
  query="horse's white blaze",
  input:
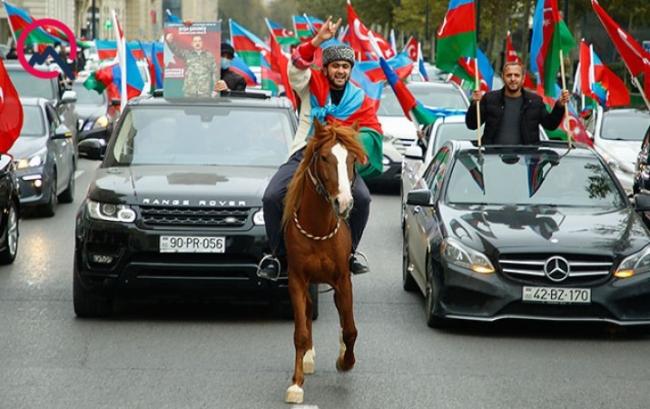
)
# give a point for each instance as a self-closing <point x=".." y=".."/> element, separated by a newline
<point x="345" y="191"/>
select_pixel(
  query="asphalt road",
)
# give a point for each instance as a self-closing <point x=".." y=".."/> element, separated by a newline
<point x="196" y="355"/>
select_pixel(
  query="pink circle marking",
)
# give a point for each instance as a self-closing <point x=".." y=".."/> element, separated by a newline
<point x="43" y="22"/>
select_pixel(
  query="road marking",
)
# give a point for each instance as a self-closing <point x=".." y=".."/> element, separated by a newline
<point x="78" y="173"/>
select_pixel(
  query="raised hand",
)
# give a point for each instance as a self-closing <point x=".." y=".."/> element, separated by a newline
<point x="326" y="32"/>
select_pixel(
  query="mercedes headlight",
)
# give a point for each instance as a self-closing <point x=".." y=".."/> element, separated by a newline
<point x="258" y="218"/>
<point x="454" y="252"/>
<point x="110" y="212"/>
<point x="32" y="161"/>
<point x="637" y="263"/>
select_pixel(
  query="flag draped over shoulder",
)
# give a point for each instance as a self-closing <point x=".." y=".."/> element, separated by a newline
<point x="457" y="37"/>
<point x="550" y="35"/>
<point x="11" y="111"/>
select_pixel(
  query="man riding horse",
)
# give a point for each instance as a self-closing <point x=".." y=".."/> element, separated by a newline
<point x="326" y="95"/>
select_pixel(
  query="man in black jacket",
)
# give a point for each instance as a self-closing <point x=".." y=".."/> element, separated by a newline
<point x="230" y="81"/>
<point x="512" y="115"/>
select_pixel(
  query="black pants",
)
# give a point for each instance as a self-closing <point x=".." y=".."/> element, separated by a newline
<point x="273" y="202"/>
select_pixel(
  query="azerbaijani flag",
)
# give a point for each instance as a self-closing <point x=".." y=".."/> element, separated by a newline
<point x="598" y="82"/>
<point x="155" y="57"/>
<point x="314" y="23"/>
<point x="131" y="83"/>
<point x="401" y="64"/>
<point x="550" y="35"/>
<point x="372" y="89"/>
<point x="485" y="71"/>
<point x="283" y="35"/>
<point x="106" y="49"/>
<point x="19" y="19"/>
<point x="246" y="44"/>
<point x="301" y="27"/>
<point x="457" y="38"/>
<point x="270" y="79"/>
<point x="240" y="67"/>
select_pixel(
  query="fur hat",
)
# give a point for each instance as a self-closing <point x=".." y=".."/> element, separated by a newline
<point x="338" y="52"/>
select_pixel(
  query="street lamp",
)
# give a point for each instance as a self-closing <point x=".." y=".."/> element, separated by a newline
<point x="92" y="20"/>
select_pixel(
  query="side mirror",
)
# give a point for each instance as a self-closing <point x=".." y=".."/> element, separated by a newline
<point x="642" y="202"/>
<point x="414" y="152"/>
<point x="5" y="162"/>
<point x="92" y="148"/>
<point x="419" y="197"/>
<point x="69" y="97"/>
<point x="62" y="132"/>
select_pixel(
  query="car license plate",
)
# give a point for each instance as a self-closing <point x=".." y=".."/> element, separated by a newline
<point x="192" y="244"/>
<point x="557" y="295"/>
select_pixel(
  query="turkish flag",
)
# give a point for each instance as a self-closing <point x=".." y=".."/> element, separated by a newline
<point x="359" y="38"/>
<point x="11" y="111"/>
<point x="411" y="48"/>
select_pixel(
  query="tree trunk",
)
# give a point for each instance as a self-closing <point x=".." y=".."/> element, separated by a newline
<point x="524" y="33"/>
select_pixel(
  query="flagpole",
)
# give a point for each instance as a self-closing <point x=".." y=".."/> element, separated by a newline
<point x="477" y="87"/>
<point x="635" y="80"/>
<point x="566" y="106"/>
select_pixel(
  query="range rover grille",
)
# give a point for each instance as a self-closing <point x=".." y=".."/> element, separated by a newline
<point x="194" y="216"/>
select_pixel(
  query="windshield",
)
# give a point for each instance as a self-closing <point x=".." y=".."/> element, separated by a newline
<point x="33" y="121"/>
<point x="88" y="97"/>
<point x="452" y="131"/>
<point x="537" y="178"/>
<point x="29" y="86"/>
<point x="203" y="135"/>
<point x="434" y="97"/>
<point x="630" y="126"/>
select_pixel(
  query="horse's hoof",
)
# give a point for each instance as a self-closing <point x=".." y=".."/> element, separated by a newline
<point x="295" y="394"/>
<point x="341" y="367"/>
<point x="308" y="362"/>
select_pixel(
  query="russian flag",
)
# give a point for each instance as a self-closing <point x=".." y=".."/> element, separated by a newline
<point x="246" y="44"/>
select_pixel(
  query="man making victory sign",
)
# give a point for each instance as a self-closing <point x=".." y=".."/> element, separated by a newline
<point x="328" y="96"/>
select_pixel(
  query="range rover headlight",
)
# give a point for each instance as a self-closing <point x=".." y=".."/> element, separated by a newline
<point x="258" y="218"/>
<point x="110" y="212"/>
<point x="454" y="252"/>
<point x="637" y="263"/>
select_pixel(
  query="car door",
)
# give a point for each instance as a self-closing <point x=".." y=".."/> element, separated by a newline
<point x="424" y="220"/>
<point x="59" y="147"/>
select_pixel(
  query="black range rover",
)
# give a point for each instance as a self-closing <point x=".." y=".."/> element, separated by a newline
<point x="176" y="203"/>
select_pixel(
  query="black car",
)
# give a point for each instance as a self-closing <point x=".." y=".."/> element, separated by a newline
<point x="44" y="155"/>
<point x="91" y="107"/>
<point x="527" y="232"/>
<point x="9" y="210"/>
<point x="642" y="168"/>
<point x="176" y="204"/>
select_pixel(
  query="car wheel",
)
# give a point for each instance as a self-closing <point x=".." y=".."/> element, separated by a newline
<point x="432" y="302"/>
<point x="8" y="255"/>
<point x="408" y="282"/>
<point x="68" y="194"/>
<point x="87" y="304"/>
<point x="286" y="310"/>
<point x="49" y="208"/>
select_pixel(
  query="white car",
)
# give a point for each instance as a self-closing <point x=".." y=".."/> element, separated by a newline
<point x="617" y="135"/>
<point x="399" y="129"/>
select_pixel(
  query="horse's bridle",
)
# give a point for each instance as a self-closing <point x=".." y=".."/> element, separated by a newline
<point x="322" y="191"/>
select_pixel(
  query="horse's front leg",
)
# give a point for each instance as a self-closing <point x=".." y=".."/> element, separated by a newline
<point x="309" y="360"/>
<point x="343" y="301"/>
<point x="298" y="294"/>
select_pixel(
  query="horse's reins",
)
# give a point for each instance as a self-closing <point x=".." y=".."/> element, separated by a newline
<point x="320" y="189"/>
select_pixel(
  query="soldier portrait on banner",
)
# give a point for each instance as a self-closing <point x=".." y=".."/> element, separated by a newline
<point x="192" y="60"/>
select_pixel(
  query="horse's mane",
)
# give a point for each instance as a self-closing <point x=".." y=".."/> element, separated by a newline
<point x="324" y="137"/>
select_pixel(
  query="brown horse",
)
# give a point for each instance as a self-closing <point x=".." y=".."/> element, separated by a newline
<point x="319" y="243"/>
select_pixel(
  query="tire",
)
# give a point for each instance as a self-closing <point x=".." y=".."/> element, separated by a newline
<point x="87" y="304"/>
<point x="408" y="282"/>
<point x="68" y="194"/>
<point x="286" y="310"/>
<point x="432" y="302"/>
<point x="49" y="208"/>
<point x="8" y="255"/>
